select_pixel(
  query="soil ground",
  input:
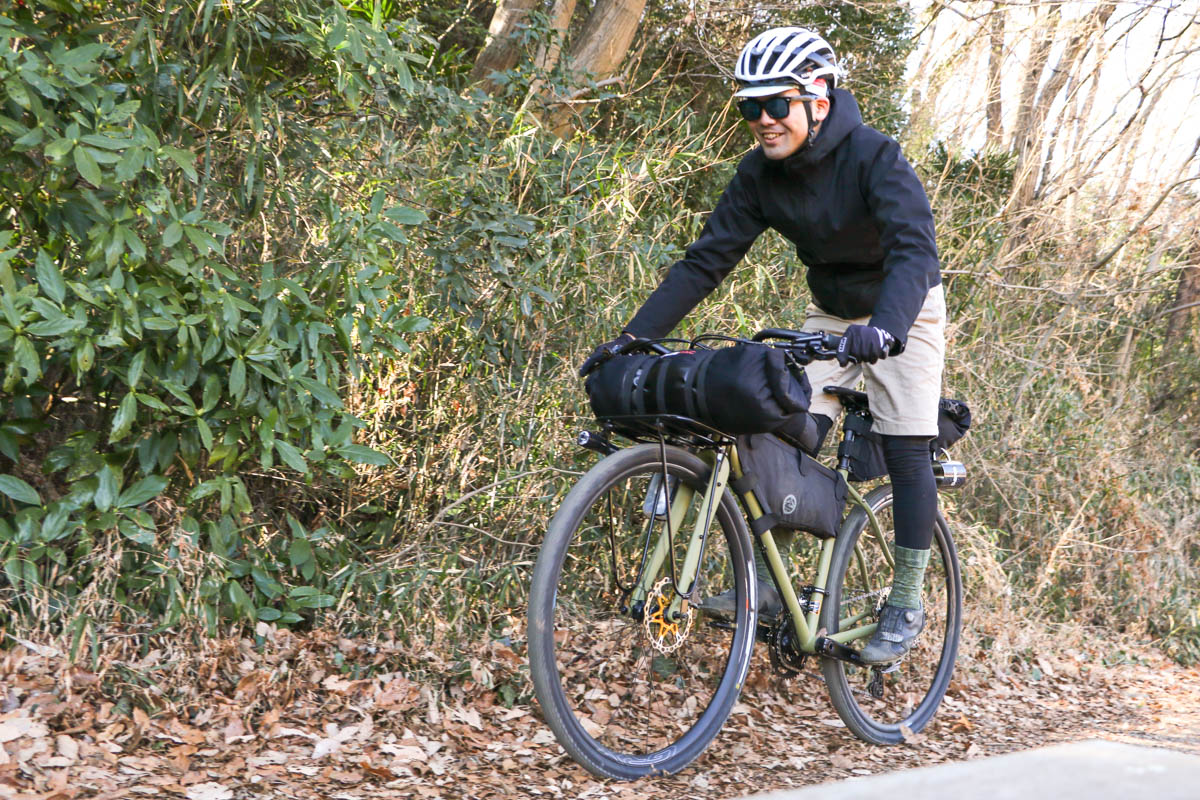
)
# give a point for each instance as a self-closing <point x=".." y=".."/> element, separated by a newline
<point x="285" y="720"/>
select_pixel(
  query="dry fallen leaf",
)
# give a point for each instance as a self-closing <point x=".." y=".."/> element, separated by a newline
<point x="468" y="715"/>
<point x="842" y="761"/>
<point x="209" y="791"/>
<point x="383" y="773"/>
<point x="404" y="753"/>
<point x="67" y="747"/>
<point x="332" y="743"/>
<point x="17" y="727"/>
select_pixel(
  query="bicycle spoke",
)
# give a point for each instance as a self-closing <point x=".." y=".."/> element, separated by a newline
<point x="637" y="680"/>
<point x="886" y="705"/>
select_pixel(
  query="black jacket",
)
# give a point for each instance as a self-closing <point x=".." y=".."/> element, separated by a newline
<point x="853" y="207"/>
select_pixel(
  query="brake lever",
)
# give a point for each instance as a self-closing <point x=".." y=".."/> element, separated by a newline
<point x="639" y="344"/>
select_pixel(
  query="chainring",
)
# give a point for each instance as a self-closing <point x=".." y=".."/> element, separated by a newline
<point x="786" y="658"/>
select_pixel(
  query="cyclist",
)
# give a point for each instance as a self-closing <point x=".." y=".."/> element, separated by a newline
<point x="844" y="195"/>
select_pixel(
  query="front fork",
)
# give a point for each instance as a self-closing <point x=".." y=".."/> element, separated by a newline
<point x="705" y="514"/>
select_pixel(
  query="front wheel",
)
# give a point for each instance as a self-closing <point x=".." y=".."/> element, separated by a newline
<point x="884" y="706"/>
<point x="629" y="688"/>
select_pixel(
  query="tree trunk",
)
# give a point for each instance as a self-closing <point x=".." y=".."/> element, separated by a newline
<point x="1187" y="299"/>
<point x="560" y="19"/>
<point x="548" y="53"/>
<point x="995" y="123"/>
<point x="1035" y="117"/>
<point x="598" y="49"/>
<point x="500" y="52"/>
<point x="1031" y="74"/>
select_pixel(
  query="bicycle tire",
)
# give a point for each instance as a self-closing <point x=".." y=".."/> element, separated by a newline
<point x="912" y="693"/>
<point x="620" y="707"/>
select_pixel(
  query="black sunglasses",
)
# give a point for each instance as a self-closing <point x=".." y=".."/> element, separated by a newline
<point x="776" y="107"/>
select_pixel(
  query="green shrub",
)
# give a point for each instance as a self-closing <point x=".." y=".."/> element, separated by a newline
<point x="186" y="288"/>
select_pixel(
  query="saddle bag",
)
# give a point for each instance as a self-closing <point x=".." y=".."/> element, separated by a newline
<point x="866" y="451"/>
<point x="747" y="388"/>
<point x="795" y="491"/>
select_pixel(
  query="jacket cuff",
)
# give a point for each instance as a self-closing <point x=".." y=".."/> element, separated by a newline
<point x="893" y="327"/>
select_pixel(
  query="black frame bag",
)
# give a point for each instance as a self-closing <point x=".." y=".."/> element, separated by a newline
<point x="795" y="491"/>
<point x="747" y="388"/>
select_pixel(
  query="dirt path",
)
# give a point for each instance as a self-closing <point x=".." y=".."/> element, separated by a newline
<point x="283" y="724"/>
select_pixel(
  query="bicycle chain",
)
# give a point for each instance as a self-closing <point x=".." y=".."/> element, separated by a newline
<point x="864" y="595"/>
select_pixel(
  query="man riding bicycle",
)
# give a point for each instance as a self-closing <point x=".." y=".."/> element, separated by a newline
<point x="844" y="195"/>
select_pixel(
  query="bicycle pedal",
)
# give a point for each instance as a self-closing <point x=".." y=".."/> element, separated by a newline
<point x="895" y="665"/>
<point x="875" y="686"/>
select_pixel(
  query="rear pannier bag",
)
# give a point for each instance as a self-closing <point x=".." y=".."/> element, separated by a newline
<point x="796" y="492"/>
<point x="866" y="451"/>
<point x="747" y="388"/>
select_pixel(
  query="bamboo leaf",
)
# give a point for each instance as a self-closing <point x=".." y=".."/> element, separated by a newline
<point x="107" y="489"/>
<point x="237" y="378"/>
<point x="58" y="148"/>
<point x="172" y="234"/>
<point x="55" y="327"/>
<point x="124" y="418"/>
<point x="291" y="455"/>
<point x="404" y="215"/>
<point x="321" y="392"/>
<point x="361" y="454"/>
<point x="27" y="358"/>
<point x="135" y="369"/>
<point x="49" y="278"/>
<point x="146" y="489"/>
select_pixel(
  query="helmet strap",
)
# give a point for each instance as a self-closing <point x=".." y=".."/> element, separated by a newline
<point x="812" y="127"/>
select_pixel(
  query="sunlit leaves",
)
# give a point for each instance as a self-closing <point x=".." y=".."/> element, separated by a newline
<point x="49" y="278"/>
<point x="19" y="490"/>
<point x="85" y="162"/>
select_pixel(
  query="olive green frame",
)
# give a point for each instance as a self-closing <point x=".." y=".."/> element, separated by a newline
<point x="725" y="462"/>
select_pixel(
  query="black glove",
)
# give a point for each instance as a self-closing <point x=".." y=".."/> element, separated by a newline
<point x="864" y="344"/>
<point x="604" y="352"/>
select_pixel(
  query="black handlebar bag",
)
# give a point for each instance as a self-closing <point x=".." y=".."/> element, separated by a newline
<point x="747" y="388"/>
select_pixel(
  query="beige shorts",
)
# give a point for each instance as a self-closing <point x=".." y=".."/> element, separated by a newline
<point x="904" y="390"/>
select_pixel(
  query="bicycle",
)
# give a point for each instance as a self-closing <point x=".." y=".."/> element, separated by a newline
<point x="632" y="679"/>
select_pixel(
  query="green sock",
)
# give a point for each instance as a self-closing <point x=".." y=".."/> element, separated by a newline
<point x="910" y="574"/>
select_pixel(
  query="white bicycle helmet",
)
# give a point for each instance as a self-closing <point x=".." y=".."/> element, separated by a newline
<point x="782" y="58"/>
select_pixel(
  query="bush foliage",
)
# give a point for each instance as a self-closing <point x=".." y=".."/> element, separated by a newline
<point x="291" y="314"/>
<point x="168" y="353"/>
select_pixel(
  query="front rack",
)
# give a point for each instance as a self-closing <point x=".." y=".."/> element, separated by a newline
<point x="669" y="428"/>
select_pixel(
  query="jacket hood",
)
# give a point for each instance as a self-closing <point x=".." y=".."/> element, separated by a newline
<point x="843" y="118"/>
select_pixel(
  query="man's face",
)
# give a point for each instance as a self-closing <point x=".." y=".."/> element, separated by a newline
<point x="781" y="138"/>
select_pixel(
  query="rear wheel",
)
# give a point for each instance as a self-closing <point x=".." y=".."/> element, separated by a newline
<point x="884" y="706"/>
<point x="628" y="689"/>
